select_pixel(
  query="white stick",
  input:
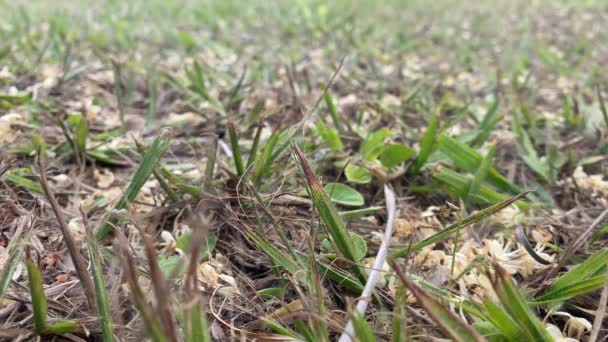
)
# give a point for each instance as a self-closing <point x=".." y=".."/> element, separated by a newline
<point x="376" y="271"/>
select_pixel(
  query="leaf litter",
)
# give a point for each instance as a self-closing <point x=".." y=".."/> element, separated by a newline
<point x="274" y="259"/>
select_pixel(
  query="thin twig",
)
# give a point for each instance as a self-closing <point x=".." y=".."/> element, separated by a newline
<point x="600" y="313"/>
<point x="376" y="271"/>
<point x="580" y="241"/>
<point x="79" y="263"/>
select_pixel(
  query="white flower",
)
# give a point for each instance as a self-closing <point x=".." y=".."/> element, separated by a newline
<point x="575" y="326"/>
<point x="557" y="334"/>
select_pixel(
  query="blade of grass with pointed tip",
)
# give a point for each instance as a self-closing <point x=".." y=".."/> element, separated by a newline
<point x="328" y="214"/>
<point x="39" y="303"/>
<point x="490" y="119"/>
<point x="481" y="173"/>
<point x="263" y="164"/>
<point x="331" y="107"/>
<point x="13" y="177"/>
<point x="284" y="260"/>
<point x="254" y="147"/>
<point x="517" y="307"/>
<point x="236" y="149"/>
<point x="101" y="292"/>
<point x="447" y="231"/>
<point x="468" y="159"/>
<point x="570" y="291"/>
<point x="427" y="144"/>
<point x="581" y="279"/>
<point x="144" y="171"/>
<point x="602" y="105"/>
<point x="457" y="185"/>
<point x="445" y="319"/>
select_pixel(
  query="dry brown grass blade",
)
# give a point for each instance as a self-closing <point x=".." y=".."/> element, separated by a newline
<point x="139" y="299"/>
<point x="579" y="242"/>
<point x="6" y="162"/>
<point x="159" y="285"/>
<point x="79" y="263"/>
<point x="600" y="313"/>
<point x="444" y="318"/>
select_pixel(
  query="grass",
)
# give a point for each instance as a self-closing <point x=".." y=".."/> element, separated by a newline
<point x="213" y="170"/>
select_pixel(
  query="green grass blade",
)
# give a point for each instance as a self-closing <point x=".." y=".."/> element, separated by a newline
<point x="331" y="107"/>
<point x="329" y="136"/>
<point x="572" y="290"/>
<point x="253" y="153"/>
<point x="61" y="327"/>
<point x="101" y="292"/>
<point x="445" y="319"/>
<point x="198" y="327"/>
<point x="427" y="144"/>
<point x="447" y="231"/>
<point x="481" y="173"/>
<point x="468" y="159"/>
<point x="580" y="280"/>
<point x="144" y="171"/>
<point x="263" y="164"/>
<point x="517" y="307"/>
<point x="363" y="332"/>
<point x="14" y="177"/>
<point x="328" y="214"/>
<point x="236" y="149"/>
<point x="284" y="260"/>
<point x="488" y="123"/>
<point x="458" y="184"/>
<point x="39" y="303"/>
<point x="501" y="320"/>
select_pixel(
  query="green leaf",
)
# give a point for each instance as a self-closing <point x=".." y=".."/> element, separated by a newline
<point x="360" y="246"/>
<point x="344" y="194"/>
<point x="373" y="145"/>
<point x="329" y="136"/>
<point x="395" y="154"/>
<point x="357" y="174"/>
<point x="81" y="130"/>
<point x="183" y="243"/>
